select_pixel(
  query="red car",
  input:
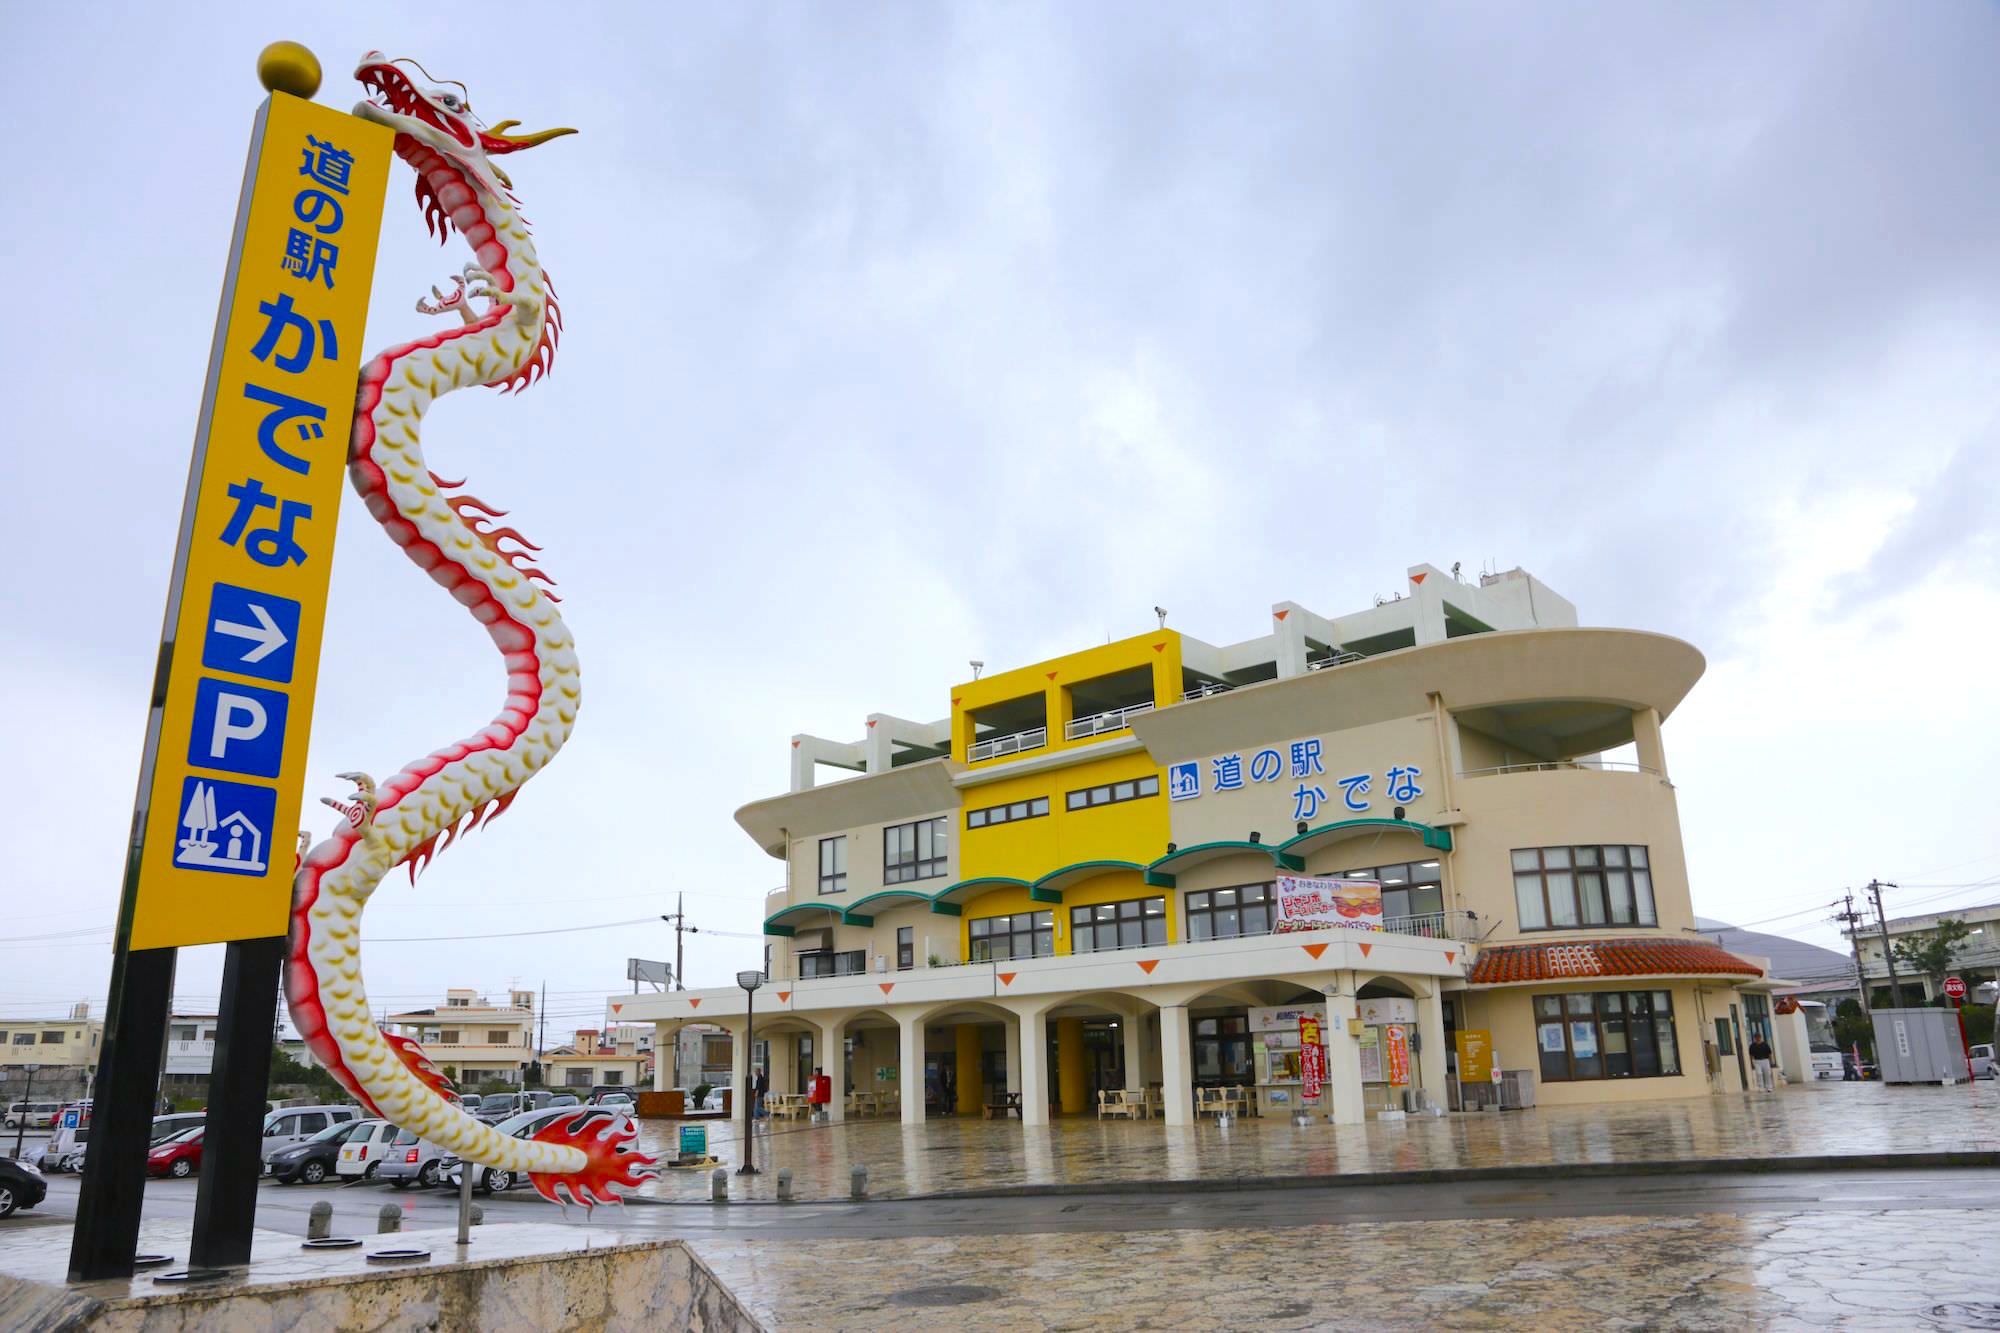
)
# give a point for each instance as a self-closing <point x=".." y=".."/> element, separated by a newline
<point x="179" y="1156"/>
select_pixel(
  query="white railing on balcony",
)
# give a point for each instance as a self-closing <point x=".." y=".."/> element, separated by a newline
<point x="1435" y="925"/>
<point x="1333" y="660"/>
<point x="1116" y="719"/>
<point x="1204" y="690"/>
<point x="1558" y="765"/>
<point x="1034" y="738"/>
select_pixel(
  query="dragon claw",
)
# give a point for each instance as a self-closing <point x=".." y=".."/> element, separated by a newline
<point x="448" y="304"/>
<point x="360" y="808"/>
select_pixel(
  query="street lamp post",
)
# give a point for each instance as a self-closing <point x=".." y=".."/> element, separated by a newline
<point x="21" y="1125"/>
<point x="749" y="981"/>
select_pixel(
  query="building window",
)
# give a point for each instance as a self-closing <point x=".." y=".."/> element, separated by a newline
<point x="1606" y="1034"/>
<point x="1033" y="808"/>
<point x="1224" y="914"/>
<point x="912" y="851"/>
<point x="24" y="1039"/>
<point x="833" y="864"/>
<point x="1111" y="793"/>
<point x="1576" y="888"/>
<point x="576" y="1078"/>
<point x="52" y="1038"/>
<point x="1126" y="925"/>
<point x="1757" y="1016"/>
<point x="1022" y="935"/>
<point x="500" y="1038"/>
<point x="613" y="1077"/>
<point x="906" y="948"/>
<point x="826" y="963"/>
<point x="1221" y="1049"/>
<point x="449" y="1037"/>
<point x="1412" y="889"/>
<point x="457" y="1002"/>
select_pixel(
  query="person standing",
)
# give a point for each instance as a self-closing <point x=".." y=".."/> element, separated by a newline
<point x="763" y="1090"/>
<point x="1760" y="1061"/>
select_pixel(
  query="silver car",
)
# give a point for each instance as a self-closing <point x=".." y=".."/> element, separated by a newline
<point x="412" y="1161"/>
<point x="523" y="1126"/>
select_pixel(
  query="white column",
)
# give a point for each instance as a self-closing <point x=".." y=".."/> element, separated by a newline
<point x="739" y="1072"/>
<point x="1343" y="1053"/>
<point x="911" y="1030"/>
<point x="1132" y="1028"/>
<point x="830" y="1038"/>
<point x="1013" y="1054"/>
<point x="1033" y="1042"/>
<point x="1176" y="1065"/>
<point x="1430" y="1060"/>
<point x="784" y="1062"/>
<point x="663" y="1063"/>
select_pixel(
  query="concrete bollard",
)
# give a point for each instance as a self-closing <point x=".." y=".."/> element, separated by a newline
<point x="718" y="1185"/>
<point x="784" y="1184"/>
<point x="857" y="1183"/>
<point x="389" y="1219"/>
<point x="478" y="1214"/>
<point x="319" y="1221"/>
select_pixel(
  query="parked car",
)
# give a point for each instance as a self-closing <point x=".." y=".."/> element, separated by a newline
<point x="64" y="1151"/>
<point x="612" y="1097"/>
<point x="313" y="1160"/>
<point x="179" y="1156"/>
<point x="523" y="1126"/>
<point x="166" y="1126"/>
<point x="289" y="1125"/>
<point x="412" y="1161"/>
<point x="365" y="1148"/>
<point x="495" y="1107"/>
<point x="21" y="1186"/>
<point x="32" y="1115"/>
<point x="1983" y="1065"/>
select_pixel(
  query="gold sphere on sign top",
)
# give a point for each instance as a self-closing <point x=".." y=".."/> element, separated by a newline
<point x="287" y="67"/>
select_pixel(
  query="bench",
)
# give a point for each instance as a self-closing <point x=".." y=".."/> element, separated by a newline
<point x="1010" y="1102"/>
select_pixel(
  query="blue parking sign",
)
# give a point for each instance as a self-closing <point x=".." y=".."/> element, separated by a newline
<point x="225" y="827"/>
<point x="237" y="728"/>
<point x="1183" y="781"/>
<point x="250" y="633"/>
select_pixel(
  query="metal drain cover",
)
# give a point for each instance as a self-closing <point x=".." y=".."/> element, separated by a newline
<point x="947" y="1295"/>
<point x="194" y="1276"/>
<point x="151" y="1260"/>
<point x="332" y="1243"/>
<point x="398" y="1256"/>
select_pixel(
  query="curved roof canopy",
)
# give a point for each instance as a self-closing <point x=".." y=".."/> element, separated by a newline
<point x="1161" y="873"/>
<point x="788" y="919"/>
<point x="1049" y="888"/>
<point x="1437" y="839"/>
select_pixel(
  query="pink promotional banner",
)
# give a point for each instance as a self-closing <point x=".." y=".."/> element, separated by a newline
<point x="1312" y="1057"/>
<point x="1327" y="904"/>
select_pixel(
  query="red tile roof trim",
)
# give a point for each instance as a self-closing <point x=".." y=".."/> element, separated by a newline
<point x="1510" y="964"/>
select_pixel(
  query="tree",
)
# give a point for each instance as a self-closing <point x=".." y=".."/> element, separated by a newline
<point x="1929" y="953"/>
<point x="1852" y="1027"/>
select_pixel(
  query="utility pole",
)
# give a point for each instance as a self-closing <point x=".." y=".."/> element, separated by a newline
<point x="1852" y="920"/>
<point x="678" y="917"/>
<point x="1875" y="887"/>
<point x="542" y="1037"/>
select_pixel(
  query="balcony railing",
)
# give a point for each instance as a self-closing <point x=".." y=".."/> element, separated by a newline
<point x="1332" y="660"/>
<point x="1034" y="738"/>
<point x="1116" y="719"/>
<point x="1558" y="765"/>
<point x="1202" y="691"/>
<point x="1436" y="925"/>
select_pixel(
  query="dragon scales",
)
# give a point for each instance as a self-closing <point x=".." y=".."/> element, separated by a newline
<point x="589" y="1157"/>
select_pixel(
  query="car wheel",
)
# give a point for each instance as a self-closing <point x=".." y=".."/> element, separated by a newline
<point x="428" y="1176"/>
<point x="182" y="1168"/>
<point x="400" y="1183"/>
<point x="7" y="1202"/>
<point x="499" y="1181"/>
<point x="369" y="1174"/>
<point x="312" y="1173"/>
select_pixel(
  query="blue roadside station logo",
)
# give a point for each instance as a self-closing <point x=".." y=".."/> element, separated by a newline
<point x="250" y="633"/>
<point x="237" y="728"/>
<point x="225" y="827"/>
<point x="1183" y="781"/>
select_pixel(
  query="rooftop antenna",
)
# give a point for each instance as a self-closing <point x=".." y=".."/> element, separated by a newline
<point x="1161" y="612"/>
<point x="1454" y="572"/>
<point x="977" y="667"/>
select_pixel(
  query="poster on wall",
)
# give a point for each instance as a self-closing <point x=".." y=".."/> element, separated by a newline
<point x="1327" y="904"/>
<point x="1551" y="1035"/>
<point x="1398" y="1043"/>
<point x="1370" y="1043"/>
<point x="1583" y="1040"/>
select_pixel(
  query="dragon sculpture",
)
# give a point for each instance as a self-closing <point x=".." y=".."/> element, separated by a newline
<point x="587" y="1158"/>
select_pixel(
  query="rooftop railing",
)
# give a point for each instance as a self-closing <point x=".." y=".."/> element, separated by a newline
<point x="1034" y="738"/>
<point x="1202" y="691"/>
<point x="1558" y="765"/>
<point x="1332" y="660"/>
<point x="1116" y="719"/>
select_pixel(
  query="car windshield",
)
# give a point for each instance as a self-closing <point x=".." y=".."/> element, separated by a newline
<point x="333" y="1132"/>
<point x="185" y="1136"/>
<point x="528" y="1122"/>
<point x="405" y="1137"/>
<point x="496" y="1101"/>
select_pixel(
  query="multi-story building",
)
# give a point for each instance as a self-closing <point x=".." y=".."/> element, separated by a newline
<point x="64" y="1052"/>
<point x="598" y="1059"/>
<point x="1976" y="960"/>
<point x="472" y="1041"/>
<point x="190" y="1054"/>
<point x="1070" y="885"/>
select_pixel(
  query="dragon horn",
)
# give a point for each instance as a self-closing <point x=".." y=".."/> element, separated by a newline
<point x="499" y="141"/>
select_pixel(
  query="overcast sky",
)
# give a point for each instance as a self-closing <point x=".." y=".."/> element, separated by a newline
<point x="908" y="334"/>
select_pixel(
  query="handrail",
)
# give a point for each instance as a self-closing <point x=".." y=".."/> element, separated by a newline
<point x="1034" y="738"/>
<point x="1114" y="719"/>
<point x="1556" y="765"/>
<point x="1333" y="660"/>
<point x="1203" y="691"/>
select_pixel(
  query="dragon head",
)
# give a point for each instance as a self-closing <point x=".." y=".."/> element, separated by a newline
<point x="440" y="116"/>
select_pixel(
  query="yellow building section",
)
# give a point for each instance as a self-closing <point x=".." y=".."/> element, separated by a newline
<point x="1118" y="825"/>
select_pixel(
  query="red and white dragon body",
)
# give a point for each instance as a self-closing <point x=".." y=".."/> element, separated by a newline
<point x="415" y="814"/>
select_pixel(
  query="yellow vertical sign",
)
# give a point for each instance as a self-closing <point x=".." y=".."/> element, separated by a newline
<point x="226" y="745"/>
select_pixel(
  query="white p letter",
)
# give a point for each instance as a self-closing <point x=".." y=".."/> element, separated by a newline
<point x="227" y="707"/>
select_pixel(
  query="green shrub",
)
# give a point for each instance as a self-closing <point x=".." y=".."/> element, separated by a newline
<point x="701" y="1091"/>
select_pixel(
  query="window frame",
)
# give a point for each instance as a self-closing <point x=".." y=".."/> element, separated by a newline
<point x="992" y="815"/>
<point x="1199" y="909"/>
<point x="815" y="963"/>
<point x="1578" y="862"/>
<point x="1410" y="884"/>
<point x="1040" y="922"/>
<point x="833" y="880"/>
<point x="906" y="948"/>
<point x="1622" y="1008"/>
<point x="1107" y="793"/>
<point x="907" y="868"/>
<point x="1093" y="925"/>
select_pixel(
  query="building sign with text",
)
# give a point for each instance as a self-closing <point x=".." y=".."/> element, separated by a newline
<point x="1308" y="903"/>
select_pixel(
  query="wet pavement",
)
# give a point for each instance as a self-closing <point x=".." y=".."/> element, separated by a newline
<point x="946" y="1156"/>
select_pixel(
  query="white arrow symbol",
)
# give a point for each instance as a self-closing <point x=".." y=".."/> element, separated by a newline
<point x="268" y="636"/>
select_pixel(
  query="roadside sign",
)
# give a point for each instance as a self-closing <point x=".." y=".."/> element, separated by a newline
<point x="1475" y="1054"/>
<point x="1954" y="988"/>
<point x="694" y="1141"/>
<point x="226" y="748"/>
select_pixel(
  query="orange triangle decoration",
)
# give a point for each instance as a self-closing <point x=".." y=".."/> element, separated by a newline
<point x="617" y="1008"/>
<point x="1159" y="647"/>
<point x="886" y="986"/>
<point x="1051" y="675"/>
<point x="871" y="724"/>
<point x="1282" y="614"/>
<point x="1147" y="965"/>
<point x="1418" y="578"/>
<point x="795" y="745"/>
<point x="955" y="698"/>
<point x="1366" y="949"/>
<point x="1450" y="956"/>
<point x="1007" y="978"/>
<point x="784" y="995"/>
<point x="694" y="1004"/>
<point x="1314" y="949"/>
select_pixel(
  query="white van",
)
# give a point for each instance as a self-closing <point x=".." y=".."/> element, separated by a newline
<point x="295" y="1124"/>
<point x="35" y="1115"/>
